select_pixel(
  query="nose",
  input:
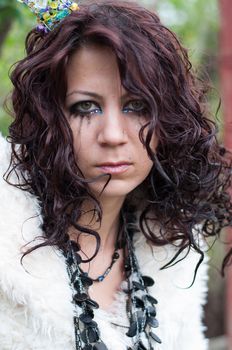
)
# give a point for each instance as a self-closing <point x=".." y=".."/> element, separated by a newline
<point x="112" y="131"/>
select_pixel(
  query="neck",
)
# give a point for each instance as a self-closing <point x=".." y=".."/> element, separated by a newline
<point x="107" y="229"/>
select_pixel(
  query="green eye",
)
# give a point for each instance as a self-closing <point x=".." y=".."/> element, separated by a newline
<point x="135" y="106"/>
<point x="85" y="105"/>
<point x="84" y="108"/>
<point x="138" y="105"/>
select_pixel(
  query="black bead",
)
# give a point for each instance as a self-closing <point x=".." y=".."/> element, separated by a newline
<point x="148" y="281"/>
<point x="86" y="281"/>
<point x="89" y="335"/>
<point x="151" y="311"/>
<point x="77" y="258"/>
<point x="151" y="299"/>
<point x="100" y="346"/>
<point x="92" y="303"/>
<point x="89" y="311"/>
<point x="115" y="256"/>
<point x="153" y="322"/>
<point x="138" y="286"/>
<point x="80" y="297"/>
<point x="139" y="303"/>
<point x="127" y="267"/>
<point x="86" y="317"/>
<point x="88" y="347"/>
<point x="132" y="330"/>
<point x="75" y="246"/>
<point x="92" y="324"/>
<point x="126" y="290"/>
<point x="155" y="337"/>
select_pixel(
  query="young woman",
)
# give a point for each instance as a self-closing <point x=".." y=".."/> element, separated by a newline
<point x="110" y="181"/>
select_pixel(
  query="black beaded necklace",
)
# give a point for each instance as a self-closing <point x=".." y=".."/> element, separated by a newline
<point x="140" y="305"/>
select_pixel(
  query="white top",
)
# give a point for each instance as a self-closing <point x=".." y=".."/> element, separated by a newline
<point x="36" y="312"/>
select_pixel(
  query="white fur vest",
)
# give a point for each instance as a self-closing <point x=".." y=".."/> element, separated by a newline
<point x="36" y="312"/>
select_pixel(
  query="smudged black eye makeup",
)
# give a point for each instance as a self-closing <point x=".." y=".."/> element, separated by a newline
<point x="84" y="108"/>
<point x="135" y="106"/>
<point x="87" y="108"/>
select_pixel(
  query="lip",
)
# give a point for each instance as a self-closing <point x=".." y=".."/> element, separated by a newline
<point x="122" y="162"/>
<point x="114" y="167"/>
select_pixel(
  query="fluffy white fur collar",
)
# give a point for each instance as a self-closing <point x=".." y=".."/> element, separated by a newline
<point x="35" y="299"/>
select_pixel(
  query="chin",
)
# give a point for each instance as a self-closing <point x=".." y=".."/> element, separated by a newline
<point x="115" y="188"/>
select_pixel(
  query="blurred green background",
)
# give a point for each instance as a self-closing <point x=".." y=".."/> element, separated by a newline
<point x="197" y="23"/>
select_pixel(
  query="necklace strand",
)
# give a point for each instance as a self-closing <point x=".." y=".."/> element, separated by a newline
<point x="101" y="278"/>
<point x="140" y="305"/>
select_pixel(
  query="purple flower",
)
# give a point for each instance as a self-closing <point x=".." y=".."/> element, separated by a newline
<point x="42" y="29"/>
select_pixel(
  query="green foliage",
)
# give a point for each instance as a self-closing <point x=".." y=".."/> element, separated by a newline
<point x="13" y="49"/>
<point x="9" y="8"/>
<point x="196" y="23"/>
<point x="5" y="122"/>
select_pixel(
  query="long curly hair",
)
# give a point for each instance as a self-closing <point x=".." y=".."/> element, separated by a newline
<point x="187" y="188"/>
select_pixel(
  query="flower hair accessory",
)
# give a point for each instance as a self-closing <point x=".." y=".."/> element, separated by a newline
<point x="50" y="12"/>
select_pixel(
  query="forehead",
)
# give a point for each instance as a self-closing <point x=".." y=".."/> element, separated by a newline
<point x="93" y="66"/>
<point x="91" y="54"/>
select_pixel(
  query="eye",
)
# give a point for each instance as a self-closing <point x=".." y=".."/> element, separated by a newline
<point x="84" y="108"/>
<point x="135" y="106"/>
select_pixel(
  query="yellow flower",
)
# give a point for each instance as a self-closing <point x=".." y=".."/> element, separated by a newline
<point x="54" y="5"/>
<point x="46" y="16"/>
<point x="74" y="7"/>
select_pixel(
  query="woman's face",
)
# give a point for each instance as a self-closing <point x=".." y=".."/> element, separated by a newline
<point x="105" y="120"/>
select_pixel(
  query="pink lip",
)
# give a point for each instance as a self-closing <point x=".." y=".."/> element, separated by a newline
<point x="114" y="168"/>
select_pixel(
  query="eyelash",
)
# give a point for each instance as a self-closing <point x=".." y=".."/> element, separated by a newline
<point x="73" y="110"/>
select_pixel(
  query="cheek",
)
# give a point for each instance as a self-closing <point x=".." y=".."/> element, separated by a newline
<point x="82" y="145"/>
<point x="142" y="149"/>
<point x="145" y="164"/>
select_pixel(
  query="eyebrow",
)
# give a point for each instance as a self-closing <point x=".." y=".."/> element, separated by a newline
<point x="92" y="94"/>
<point x="88" y="93"/>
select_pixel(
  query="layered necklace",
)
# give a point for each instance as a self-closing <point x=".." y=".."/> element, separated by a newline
<point x="140" y="305"/>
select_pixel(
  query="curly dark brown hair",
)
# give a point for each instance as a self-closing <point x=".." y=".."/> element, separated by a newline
<point x="186" y="190"/>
